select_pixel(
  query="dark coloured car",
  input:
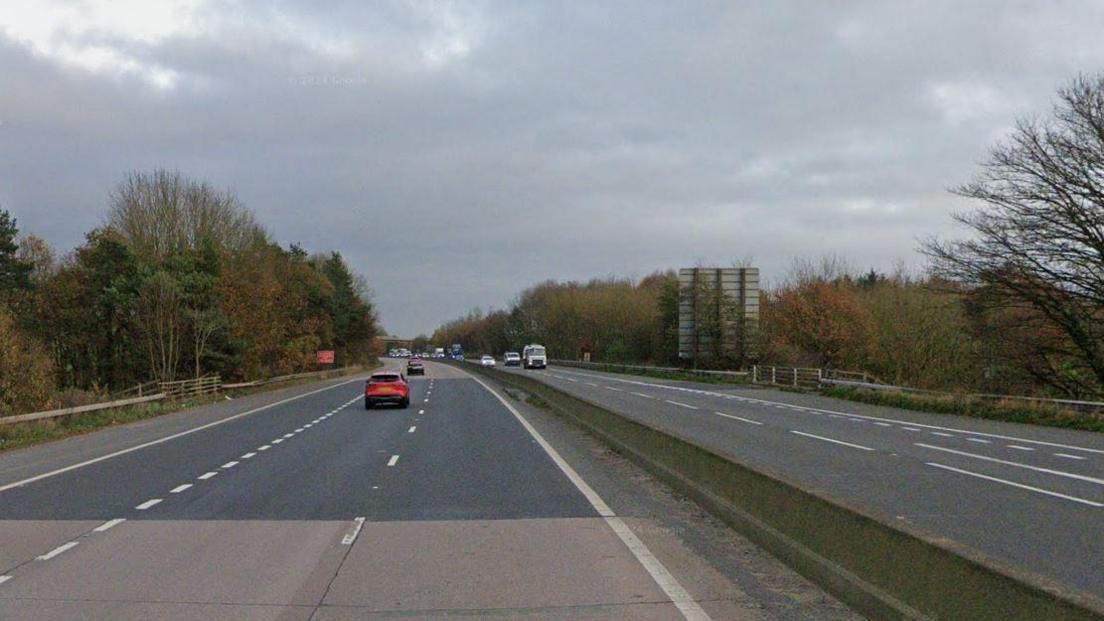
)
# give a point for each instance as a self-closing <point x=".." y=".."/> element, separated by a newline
<point x="386" y="387"/>
<point x="415" y="367"/>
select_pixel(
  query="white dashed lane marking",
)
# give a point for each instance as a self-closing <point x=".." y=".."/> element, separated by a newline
<point x="149" y="503"/>
<point x="682" y="405"/>
<point x="108" y="524"/>
<point x="229" y="464"/>
<point x="180" y="488"/>
<point x="1029" y="488"/>
<point x="832" y="440"/>
<point x="58" y="550"/>
<point x="248" y="456"/>
<point x="394" y="460"/>
<point x="204" y="477"/>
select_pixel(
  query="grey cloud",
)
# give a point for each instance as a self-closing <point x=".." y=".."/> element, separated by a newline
<point x="562" y="140"/>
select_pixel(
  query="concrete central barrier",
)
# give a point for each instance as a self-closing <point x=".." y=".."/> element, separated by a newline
<point x="884" y="571"/>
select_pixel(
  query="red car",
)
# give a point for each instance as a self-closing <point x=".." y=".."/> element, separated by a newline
<point x="386" y="387"/>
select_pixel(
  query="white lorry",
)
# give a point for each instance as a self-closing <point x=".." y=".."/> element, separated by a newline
<point x="533" y="357"/>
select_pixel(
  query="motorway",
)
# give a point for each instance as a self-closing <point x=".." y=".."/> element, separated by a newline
<point x="301" y="505"/>
<point x="1029" y="497"/>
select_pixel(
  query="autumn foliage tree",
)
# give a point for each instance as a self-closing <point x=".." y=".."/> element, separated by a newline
<point x="180" y="282"/>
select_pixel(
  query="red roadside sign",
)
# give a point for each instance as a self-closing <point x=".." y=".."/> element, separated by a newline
<point x="326" y="356"/>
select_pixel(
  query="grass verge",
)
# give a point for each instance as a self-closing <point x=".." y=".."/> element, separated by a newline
<point x="1011" y="411"/>
<point x="20" y="435"/>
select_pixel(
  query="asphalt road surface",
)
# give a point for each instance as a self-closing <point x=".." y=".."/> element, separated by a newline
<point x="302" y="505"/>
<point x="1029" y="497"/>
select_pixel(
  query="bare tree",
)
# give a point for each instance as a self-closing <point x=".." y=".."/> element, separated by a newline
<point x="163" y="212"/>
<point x="1038" y="243"/>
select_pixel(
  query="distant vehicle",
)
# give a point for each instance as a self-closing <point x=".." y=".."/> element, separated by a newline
<point x="512" y="359"/>
<point x="456" y="352"/>
<point x="386" y="387"/>
<point x="439" y="352"/>
<point x="487" y="361"/>
<point x="393" y="353"/>
<point x="533" y="357"/>
<point x="414" y="367"/>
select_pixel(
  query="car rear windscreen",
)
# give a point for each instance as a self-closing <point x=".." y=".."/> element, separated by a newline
<point x="377" y="379"/>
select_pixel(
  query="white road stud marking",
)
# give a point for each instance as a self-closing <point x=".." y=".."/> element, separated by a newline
<point x="149" y="503"/>
<point x="58" y="550"/>
<point x="394" y="460"/>
<point x="1068" y="456"/>
<point x="108" y="524"/>
<point x="351" y="536"/>
<point x="167" y="438"/>
<point x="229" y="464"/>
<point x="739" y="418"/>
<point x="248" y="456"/>
<point x="682" y="599"/>
<point x="682" y="405"/>
<point x="180" y="488"/>
<point x="1091" y="503"/>
<point x="204" y="477"/>
<point x="1070" y="475"/>
<point x="832" y="440"/>
<point x="411" y="430"/>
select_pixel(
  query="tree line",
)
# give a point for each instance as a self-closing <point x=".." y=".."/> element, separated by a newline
<point x="1017" y="306"/>
<point x="180" y="281"/>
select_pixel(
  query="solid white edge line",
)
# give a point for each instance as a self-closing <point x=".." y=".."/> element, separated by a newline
<point x="1060" y="473"/>
<point x="58" y="550"/>
<point x="888" y="420"/>
<point x="834" y="441"/>
<point x="174" y="436"/>
<point x="180" y="488"/>
<point x="108" y="524"/>
<point x="351" y="536"/>
<point x="679" y="596"/>
<point x="1091" y="503"/>
<point x="149" y="503"/>
<point x="740" y="418"/>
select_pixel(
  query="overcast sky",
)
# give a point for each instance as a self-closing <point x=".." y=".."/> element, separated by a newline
<point x="456" y="153"/>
